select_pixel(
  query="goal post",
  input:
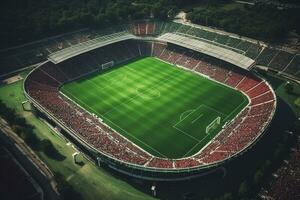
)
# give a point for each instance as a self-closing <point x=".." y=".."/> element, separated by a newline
<point x="213" y="124"/>
<point x="107" y="65"/>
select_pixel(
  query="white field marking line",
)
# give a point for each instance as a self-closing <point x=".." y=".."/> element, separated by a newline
<point x="136" y="71"/>
<point x="134" y="97"/>
<point x="117" y="78"/>
<point x="123" y="78"/>
<point x="186" y="133"/>
<point x="181" y="116"/>
<point x="99" y="87"/>
<point x="107" y="125"/>
<point x="174" y="126"/>
<point x="140" y="94"/>
<point x="117" y="72"/>
<point x="215" y="110"/>
<point x="135" y="137"/>
<point x="235" y="109"/>
<point x="193" y="110"/>
<point x="224" y="85"/>
<point x="116" y="125"/>
<point x="195" y="145"/>
<point x="197" y="118"/>
<point x="199" y="141"/>
<point x="90" y="80"/>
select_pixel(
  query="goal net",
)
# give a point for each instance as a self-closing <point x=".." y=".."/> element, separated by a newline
<point x="213" y="124"/>
<point x="107" y="65"/>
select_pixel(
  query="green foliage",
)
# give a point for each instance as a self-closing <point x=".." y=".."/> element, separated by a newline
<point x="23" y="21"/>
<point x="258" y="177"/>
<point x="25" y="131"/>
<point x="19" y="126"/>
<point x="48" y="148"/>
<point x="227" y="196"/>
<point x="289" y="87"/>
<point x="243" y="189"/>
<point x="65" y="189"/>
<point x="259" y="21"/>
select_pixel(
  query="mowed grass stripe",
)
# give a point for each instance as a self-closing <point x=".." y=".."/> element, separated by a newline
<point x="118" y="88"/>
<point x="145" y="106"/>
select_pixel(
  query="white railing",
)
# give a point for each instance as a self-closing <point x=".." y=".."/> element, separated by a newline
<point x="209" y="49"/>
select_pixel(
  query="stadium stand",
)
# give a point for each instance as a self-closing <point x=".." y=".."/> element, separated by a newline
<point x="43" y="83"/>
<point x="293" y="66"/>
<point x="285" y="185"/>
<point x="266" y="56"/>
<point x="281" y="60"/>
<point x="211" y="50"/>
<point x="98" y="42"/>
<point x="253" y="51"/>
<point x="26" y="55"/>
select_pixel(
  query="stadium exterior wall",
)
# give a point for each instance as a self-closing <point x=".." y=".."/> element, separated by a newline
<point x="130" y="169"/>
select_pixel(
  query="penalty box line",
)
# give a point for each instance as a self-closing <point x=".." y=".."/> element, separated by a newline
<point x="130" y="99"/>
<point x="196" y="145"/>
<point x="192" y="111"/>
<point x="186" y="133"/>
<point x="198" y="117"/>
<point x="199" y="141"/>
<point x="119" y="127"/>
<point x="175" y="125"/>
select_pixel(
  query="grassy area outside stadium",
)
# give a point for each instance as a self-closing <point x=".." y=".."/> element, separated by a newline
<point x="86" y="178"/>
<point x="90" y="177"/>
<point x="163" y="109"/>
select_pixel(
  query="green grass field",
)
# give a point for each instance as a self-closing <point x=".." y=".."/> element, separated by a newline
<point x="92" y="182"/>
<point x="161" y="108"/>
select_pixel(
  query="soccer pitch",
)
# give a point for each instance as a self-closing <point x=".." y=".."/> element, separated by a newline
<point x="161" y="108"/>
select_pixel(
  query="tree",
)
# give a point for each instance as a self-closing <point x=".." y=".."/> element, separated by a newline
<point x="297" y="126"/>
<point x="289" y="87"/>
<point x="227" y="196"/>
<point x="279" y="152"/>
<point x="49" y="149"/>
<point x="258" y="177"/>
<point x="243" y="189"/>
<point x="65" y="189"/>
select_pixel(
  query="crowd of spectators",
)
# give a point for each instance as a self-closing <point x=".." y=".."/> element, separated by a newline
<point x="247" y="126"/>
<point x="43" y="83"/>
<point x="143" y="28"/>
<point x="286" y="182"/>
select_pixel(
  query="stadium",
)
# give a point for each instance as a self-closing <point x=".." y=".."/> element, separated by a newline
<point x="157" y="100"/>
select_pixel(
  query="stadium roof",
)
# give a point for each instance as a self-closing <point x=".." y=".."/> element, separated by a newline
<point x="83" y="47"/>
<point x="209" y="49"/>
